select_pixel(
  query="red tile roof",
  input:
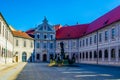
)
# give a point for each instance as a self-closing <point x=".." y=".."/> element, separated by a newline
<point x="21" y="34"/>
<point x="71" y="32"/>
<point x="107" y="19"/>
<point x="78" y="31"/>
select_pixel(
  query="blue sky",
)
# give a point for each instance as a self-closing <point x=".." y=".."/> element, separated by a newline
<point x="26" y="14"/>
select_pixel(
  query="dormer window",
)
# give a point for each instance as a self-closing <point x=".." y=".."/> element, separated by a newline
<point x="105" y="22"/>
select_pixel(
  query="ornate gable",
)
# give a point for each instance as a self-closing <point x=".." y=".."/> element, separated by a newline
<point x="45" y="26"/>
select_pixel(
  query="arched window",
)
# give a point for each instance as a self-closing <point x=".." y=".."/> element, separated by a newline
<point x="106" y="53"/>
<point x="80" y="55"/>
<point x="90" y="54"/>
<point x="113" y="53"/>
<point x="83" y="55"/>
<point x="24" y="57"/>
<point x="95" y="54"/>
<point x="100" y="54"/>
<point x="86" y="54"/>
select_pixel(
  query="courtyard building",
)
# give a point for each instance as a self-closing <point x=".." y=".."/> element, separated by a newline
<point x="97" y="42"/>
<point x="6" y="42"/>
<point x="23" y="47"/>
<point x="44" y="37"/>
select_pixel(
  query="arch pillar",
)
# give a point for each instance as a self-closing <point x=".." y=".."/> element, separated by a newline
<point x="88" y="55"/>
<point x="81" y="56"/>
<point x="92" y="55"/>
<point x="109" y="54"/>
<point x="116" y="54"/>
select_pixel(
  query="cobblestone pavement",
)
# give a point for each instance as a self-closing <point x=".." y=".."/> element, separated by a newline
<point x="40" y="71"/>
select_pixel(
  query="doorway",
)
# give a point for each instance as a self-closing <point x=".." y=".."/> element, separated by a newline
<point x="44" y="57"/>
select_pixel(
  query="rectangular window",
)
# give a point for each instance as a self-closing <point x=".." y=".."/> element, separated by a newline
<point x="100" y="37"/>
<point x="16" y="42"/>
<point x="38" y="36"/>
<point x="74" y="44"/>
<point x="86" y="41"/>
<point x="45" y="36"/>
<point x="113" y="33"/>
<point x="51" y="45"/>
<point x="106" y="35"/>
<point x="80" y="43"/>
<point x="45" y="45"/>
<point x="83" y="43"/>
<point x="24" y="43"/>
<point x="3" y="31"/>
<point x="51" y="36"/>
<point x="38" y="45"/>
<point x="90" y="40"/>
<point x="95" y="39"/>
<point x="6" y="34"/>
<point x="31" y="44"/>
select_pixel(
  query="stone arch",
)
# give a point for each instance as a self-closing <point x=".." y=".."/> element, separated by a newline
<point x="112" y="53"/>
<point x="44" y="57"/>
<point x="100" y="54"/>
<point x="24" y="57"/>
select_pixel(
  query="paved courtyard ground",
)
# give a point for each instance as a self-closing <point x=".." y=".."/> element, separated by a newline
<point x="41" y="71"/>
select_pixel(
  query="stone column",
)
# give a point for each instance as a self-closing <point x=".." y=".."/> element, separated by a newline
<point x="109" y="54"/>
<point x="85" y="56"/>
<point x="88" y="55"/>
<point x="81" y="56"/>
<point x="92" y="55"/>
<point x="116" y="53"/>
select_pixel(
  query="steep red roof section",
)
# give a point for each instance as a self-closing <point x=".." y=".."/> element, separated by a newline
<point x="21" y="34"/>
<point x="107" y="19"/>
<point x="71" y="32"/>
